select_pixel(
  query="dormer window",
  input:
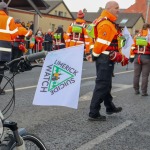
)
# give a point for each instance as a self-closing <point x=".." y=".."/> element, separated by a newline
<point x="60" y="13"/>
<point x="123" y="21"/>
<point x="56" y="12"/>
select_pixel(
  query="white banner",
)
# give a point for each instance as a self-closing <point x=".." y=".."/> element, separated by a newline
<point x="60" y="79"/>
<point x="129" y="42"/>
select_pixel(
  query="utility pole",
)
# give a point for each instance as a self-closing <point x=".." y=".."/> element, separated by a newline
<point x="147" y="11"/>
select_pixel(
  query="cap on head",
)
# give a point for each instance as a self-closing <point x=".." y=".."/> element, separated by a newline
<point x="3" y="6"/>
<point x="17" y="21"/>
<point x="80" y="14"/>
<point x="60" y="26"/>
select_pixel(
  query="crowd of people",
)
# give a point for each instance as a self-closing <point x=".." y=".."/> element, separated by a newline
<point x="104" y="49"/>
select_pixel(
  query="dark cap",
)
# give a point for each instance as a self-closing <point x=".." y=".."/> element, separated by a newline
<point x="60" y="26"/>
<point x="3" y="6"/>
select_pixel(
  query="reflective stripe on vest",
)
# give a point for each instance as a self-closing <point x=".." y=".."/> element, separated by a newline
<point x="5" y="49"/>
<point x="7" y="28"/>
<point x="103" y="41"/>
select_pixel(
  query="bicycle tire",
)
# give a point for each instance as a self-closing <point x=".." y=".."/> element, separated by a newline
<point x="34" y="139"/>
<point x="32" y="142"/>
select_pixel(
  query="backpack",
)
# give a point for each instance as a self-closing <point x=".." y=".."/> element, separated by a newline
<point x="57" y="36"/>
<point x="91" y="28"/>
<point x="77" y="28"/>
<point x="141" y="41"/>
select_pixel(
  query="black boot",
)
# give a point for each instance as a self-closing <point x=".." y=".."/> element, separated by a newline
<point x="113" y="109"/>
<point x="99" y="118"/>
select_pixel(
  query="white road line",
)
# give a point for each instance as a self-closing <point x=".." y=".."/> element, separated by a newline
<point x="115" y="74"/>
<point x="22" y="88"/>
<point x="34" y="86"/>
<point x="121" y="87"/>
<point x="90" y="145"/>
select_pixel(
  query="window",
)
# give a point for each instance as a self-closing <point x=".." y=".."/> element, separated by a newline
<point x="65" y="14"/>
<point x="56" y="12"/>
<point x="123" y="21"/>
<point x="60" y="13"/>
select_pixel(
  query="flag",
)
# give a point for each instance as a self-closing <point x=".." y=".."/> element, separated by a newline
<point x="60" y="78"/>
<point x="128" y="43"/>
<point x="148" y="37"/>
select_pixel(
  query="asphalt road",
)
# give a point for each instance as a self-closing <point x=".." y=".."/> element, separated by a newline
<point x="64" y="128"/>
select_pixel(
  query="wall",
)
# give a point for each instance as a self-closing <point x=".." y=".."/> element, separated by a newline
<point x="62" y="8"/>
<point x="45" y="22"/>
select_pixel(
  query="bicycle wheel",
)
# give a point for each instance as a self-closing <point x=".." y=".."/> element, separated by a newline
<point x="32" y="142"/>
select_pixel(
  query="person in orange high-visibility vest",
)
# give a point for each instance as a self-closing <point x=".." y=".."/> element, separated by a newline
<point x="140" y="54"/>
<point x="18" y="47"/>
<point x="105" y="52"/>
<point x="76" y="33"/>
<point x="8" y="32"/>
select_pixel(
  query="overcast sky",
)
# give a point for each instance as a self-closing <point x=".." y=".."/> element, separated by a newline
<point x="93" y="5"/>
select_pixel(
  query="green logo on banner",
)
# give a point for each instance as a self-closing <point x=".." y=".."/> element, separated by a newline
<point x="58" y="76"/>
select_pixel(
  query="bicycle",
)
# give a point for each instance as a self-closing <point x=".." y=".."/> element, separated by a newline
<point x="12" y="138"/>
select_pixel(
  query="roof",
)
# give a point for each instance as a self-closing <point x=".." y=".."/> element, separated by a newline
<point x="89" y="16"/>
<point x="27" y="5"/>
<point x="130" y="18"/>
<point x="140" y="6"/>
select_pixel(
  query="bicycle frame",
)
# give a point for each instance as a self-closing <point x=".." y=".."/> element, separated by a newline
<point x="12" y="126"/>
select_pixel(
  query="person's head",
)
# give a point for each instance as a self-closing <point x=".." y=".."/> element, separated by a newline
<point x="59" y="29"/>
<point x="112" y="7"/>
<point x="145" y="26"/>
<point x="39" y="33"/>
<point x="4" y="7"/>
<point x="80" y="14"/>
<point x="49" y="31"/>
<point x="17" y="21"/>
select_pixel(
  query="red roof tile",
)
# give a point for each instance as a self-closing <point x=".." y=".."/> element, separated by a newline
<point x="140" y="6"/>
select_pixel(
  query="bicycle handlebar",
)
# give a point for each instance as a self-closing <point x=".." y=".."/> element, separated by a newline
<point x="30" y="58"/>
<point x="35" y="56"/>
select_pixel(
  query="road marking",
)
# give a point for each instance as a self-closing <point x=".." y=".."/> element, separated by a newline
<point x="115" y="74"/>
<point x="121" y="87"/>
<point x="34" y="86"/>
<point x="22" y="88"/>
<point x="90" y="145"/>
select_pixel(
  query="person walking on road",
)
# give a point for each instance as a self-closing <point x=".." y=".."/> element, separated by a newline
<point x="105" y="53"/>
<point x="8" y="32"/>
<point x="18" y="46"/>
<point x="76" y="33"/>
<point x="140" y="54"/>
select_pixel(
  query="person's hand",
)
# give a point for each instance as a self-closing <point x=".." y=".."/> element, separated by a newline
<point x="24" y="66"/>
<point x="115" y="56"/>
<point x="89" y="58"/>
<point x="125" y="61"/>
<point x="131" y="60"/>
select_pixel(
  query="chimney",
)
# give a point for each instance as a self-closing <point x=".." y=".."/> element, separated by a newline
<point x="84" y="10"/>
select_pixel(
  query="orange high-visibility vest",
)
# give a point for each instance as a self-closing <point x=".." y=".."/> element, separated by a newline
<point x="8" y="32"/>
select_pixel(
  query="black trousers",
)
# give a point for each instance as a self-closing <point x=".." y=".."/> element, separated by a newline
<point x="103" y="85"/>
<point x="16" y="53"/>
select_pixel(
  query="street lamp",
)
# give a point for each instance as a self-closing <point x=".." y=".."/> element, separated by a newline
<point x="147" y="12"/>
